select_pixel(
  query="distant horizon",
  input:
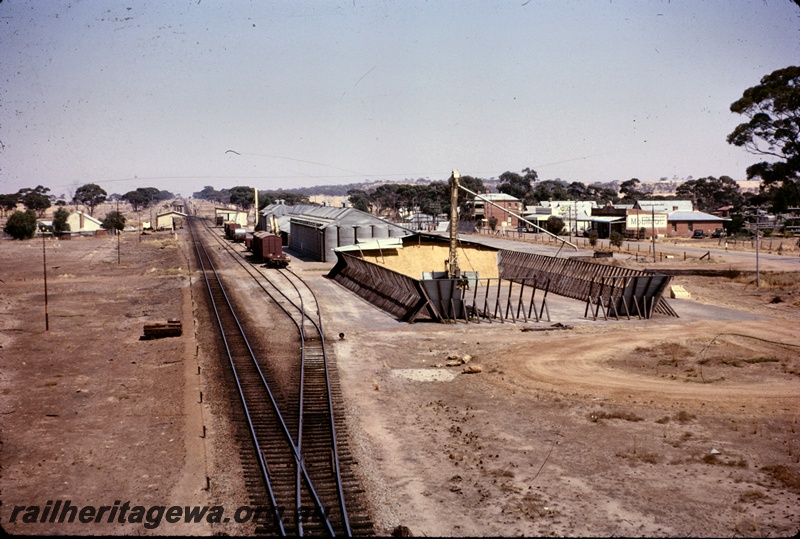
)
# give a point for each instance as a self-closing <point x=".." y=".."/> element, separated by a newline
<point x="745" y="185"/>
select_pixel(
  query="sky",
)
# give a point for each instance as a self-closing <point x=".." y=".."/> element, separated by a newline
<point x="281" y="94"/>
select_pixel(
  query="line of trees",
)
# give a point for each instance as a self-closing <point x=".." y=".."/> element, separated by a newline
<point x="144" y="197"/>
<point x="242" y="196"/>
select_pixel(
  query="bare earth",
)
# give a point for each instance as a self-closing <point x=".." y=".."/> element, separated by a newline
<point x="668" y="427"/>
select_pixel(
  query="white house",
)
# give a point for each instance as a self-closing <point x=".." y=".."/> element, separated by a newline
<point x="170" y="220"/>
<point x="577" y="214"/>
<point x="82" y="222"/>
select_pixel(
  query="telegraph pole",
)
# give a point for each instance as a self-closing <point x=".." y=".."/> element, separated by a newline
<point x="758" y="280"/>
<point x="453" y="271"/>
<point x="117" y="231"/>
<point x="44" y="264"/>
<point x="653" y="228"/>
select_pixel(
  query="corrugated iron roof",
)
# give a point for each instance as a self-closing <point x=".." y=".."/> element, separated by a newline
<point x="693" y="216"/>
<point x="664" y="205"/>
<point x="373" y="244"/>
<point x="494" y="197"/>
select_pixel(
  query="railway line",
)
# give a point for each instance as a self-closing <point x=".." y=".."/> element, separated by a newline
<point x="298" y="466"/>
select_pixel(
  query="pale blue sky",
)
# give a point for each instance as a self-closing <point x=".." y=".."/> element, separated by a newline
<point x="150" y="93"/>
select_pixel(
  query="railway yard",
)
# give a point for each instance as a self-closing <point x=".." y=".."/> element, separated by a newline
<point x="570" y="426"/>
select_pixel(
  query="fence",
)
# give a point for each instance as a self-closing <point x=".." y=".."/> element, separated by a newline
<point x="614" y="288"/>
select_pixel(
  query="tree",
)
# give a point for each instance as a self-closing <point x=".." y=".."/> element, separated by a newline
<point x="35" y="199"/>
<point x="8" y="203"/>
<point x="550" y="190"/>
<point x="709" y="194"/>
<point x="60" y="223"/>
<point x="242" y="196"/>
<point x="386" y="198"/>
<point x="114" y="221"/>
<point x="630" y="189"/>
<point x="600" y="194"/>
<point x="136" y="199"/>
<point x="516" y="185"/>
<point x="773" y="108"/>
<point x="359" y="199"/>
<point x="209" y="193"/>
<point x="577" y="191"/>
<point x="21" y="225"/>
<point x="90" y="195"/>
<point x="554" y="224"/>
<point x="290" y="199"/>
<point x="144" y="197"/>
<point x="434" y="199"/>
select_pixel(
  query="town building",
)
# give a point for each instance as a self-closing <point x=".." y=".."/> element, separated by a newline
<point x="576" y="214"/>
<point x="483" y="211"/>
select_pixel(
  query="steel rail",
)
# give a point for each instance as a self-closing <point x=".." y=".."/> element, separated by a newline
<point x="318" y="327"/>
<point x="251" y="429"/>
<point x="301" y="313"/>
<point x="299" y="461"/>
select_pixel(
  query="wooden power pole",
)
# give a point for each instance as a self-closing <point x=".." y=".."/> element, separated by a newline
<point x="453" y="271"/>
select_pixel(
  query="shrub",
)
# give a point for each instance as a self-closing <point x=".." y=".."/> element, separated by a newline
<point x="615" y="239"/>
<point x="60" y="220"/>
<point x="114" y="221"/>
<point x="554" y="224"/>
<point x="21" y="225"/>
<point x="593" y="237"/>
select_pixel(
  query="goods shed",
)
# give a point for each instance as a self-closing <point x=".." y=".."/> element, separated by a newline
<point x="222" y="215"/>
<point x="315" y="231"/>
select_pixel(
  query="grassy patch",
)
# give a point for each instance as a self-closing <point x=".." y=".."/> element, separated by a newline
<point x="715" y="459"/>
<point x="780" y="280"/>
<point x="618" y="414"/>
<point x="751" y="496"/>
<point x="762" y="360"/>
<point x="681" y="417"/>
<point x="783" y="475"/>
<point x="751" y="361"/>
<point x="162" y="244"/>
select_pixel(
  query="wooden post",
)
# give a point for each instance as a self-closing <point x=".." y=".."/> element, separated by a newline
<point x="44" y="265"/>
<point x="453" y="271"/>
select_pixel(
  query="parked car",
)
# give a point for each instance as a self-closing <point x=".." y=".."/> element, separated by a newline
<point x="719" y="233"/>
<point x="698" y="234"/>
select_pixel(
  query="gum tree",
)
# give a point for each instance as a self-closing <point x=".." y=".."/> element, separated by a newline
<point x="90" y="195"/>
<point x="773" y="131"/>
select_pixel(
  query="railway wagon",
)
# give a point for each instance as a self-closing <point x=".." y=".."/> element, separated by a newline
<point x="229" y="227"/>
<point x="269" y="249"/>
<point x="234" y="232"/>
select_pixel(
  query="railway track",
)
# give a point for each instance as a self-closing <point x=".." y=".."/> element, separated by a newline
<point x="297" y="464"/>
